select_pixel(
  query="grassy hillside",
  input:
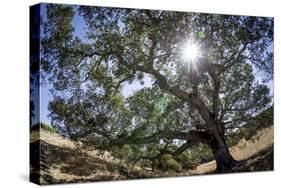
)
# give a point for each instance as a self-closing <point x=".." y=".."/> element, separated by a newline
<point x="261" y="143"/>
<point x="61" y="161"/>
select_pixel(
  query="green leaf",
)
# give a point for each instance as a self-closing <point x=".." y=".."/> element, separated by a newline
<point x="201" y="34"/>
<point x="162" y="104"/>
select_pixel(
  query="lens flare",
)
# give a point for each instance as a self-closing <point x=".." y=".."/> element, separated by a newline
<point x="191" y="52"/>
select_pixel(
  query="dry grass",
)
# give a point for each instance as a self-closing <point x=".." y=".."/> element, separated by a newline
<point x="66" y="163"/>
<point x="57" y="140"/>
<point x="51" y="138"/>
<point x="243" y="150"/>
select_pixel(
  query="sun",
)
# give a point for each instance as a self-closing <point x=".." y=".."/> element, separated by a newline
<point x="191" y="52"/>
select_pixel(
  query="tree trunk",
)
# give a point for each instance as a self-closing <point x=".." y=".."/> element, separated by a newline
<point x="224" y="159"/>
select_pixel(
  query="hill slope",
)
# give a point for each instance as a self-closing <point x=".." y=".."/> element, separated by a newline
<point x="62" y="162"/>
<point x="260" y="144"/>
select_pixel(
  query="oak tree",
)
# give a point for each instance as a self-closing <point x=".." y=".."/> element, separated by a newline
<point x="191" y="100"/>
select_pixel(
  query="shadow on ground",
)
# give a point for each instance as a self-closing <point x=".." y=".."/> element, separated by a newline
<point x="51" y="164"/>
<point x="262" y="161"/>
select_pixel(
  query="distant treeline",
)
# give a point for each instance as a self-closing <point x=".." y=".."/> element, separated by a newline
<point x="44" y="127"/>
<point x="259" y="122"/>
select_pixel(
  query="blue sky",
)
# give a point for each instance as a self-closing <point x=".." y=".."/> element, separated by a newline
<point x="127" y="89"/>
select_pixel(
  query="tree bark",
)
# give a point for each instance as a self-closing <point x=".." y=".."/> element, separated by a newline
<point x="222" y="156"/>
